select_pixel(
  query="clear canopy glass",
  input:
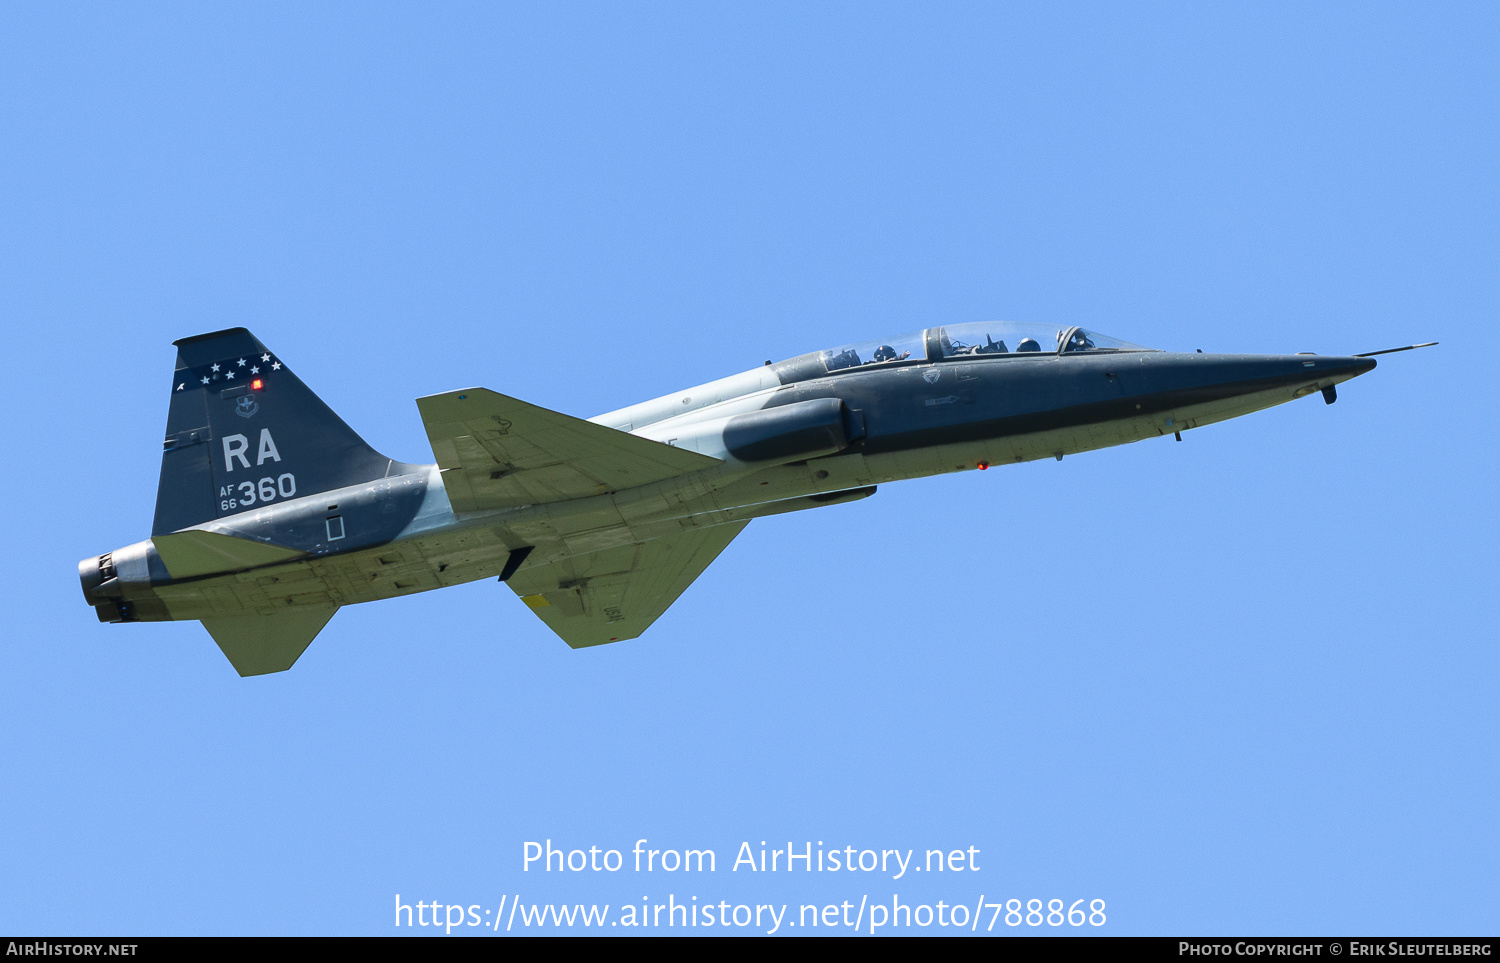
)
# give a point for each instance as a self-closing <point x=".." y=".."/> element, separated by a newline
<point x="908" y="347"/>
<point x="1005" y="337"/>
<point x="984" y="338"/>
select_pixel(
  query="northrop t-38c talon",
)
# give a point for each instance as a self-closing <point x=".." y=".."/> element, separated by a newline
<point x="272" y="512"/>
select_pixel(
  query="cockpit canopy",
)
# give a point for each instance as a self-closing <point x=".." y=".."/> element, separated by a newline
<point x="984" y="338"/>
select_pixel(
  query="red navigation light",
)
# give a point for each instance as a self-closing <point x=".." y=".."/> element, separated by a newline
<point x="983" y="465"/>
<point x="256" y="384"/>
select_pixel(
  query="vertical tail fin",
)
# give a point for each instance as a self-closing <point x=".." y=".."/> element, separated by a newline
<point x="244" y="432"/>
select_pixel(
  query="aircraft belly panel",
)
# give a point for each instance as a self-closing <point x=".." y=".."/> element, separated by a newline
<point x="363" y="576"/>
<point x="465" y="555"/>
<point x="1209" y="413"/>
<point x="246" y="593"/>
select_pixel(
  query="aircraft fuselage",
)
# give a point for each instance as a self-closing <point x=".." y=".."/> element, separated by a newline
<point x="787" y="437"/>
<point x="272" y="512"/>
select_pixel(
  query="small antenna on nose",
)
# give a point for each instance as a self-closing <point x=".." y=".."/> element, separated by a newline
<point x="1371" y="354"/>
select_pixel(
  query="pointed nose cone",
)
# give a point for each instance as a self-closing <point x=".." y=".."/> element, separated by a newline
<point x="1184" y="380"/>
<point x="1349" y="367"/>
<point x="1333" y="369"/>
<point x="1337" y="370"/>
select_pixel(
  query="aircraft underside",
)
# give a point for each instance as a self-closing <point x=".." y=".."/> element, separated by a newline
<point x="272" y="513"/>
<point x="479" y="547"/>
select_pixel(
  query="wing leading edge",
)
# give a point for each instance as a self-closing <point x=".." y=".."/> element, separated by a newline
<point x="616" y="594"/>
<point x="499" y="452"/>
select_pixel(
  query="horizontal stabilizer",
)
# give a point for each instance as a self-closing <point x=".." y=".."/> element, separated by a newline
<point x="617" y="593"/>
<point x="187" y="554"/>
<point x="498" y="452"/>
<point x="257" y="644"/>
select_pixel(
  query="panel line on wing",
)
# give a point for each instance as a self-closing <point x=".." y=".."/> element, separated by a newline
<point x="616" y="593"/>
<point x="495" y="451"/>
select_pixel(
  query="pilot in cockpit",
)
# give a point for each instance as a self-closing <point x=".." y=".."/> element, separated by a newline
<point x="887" y="353"/>
<point x="1079" y="341"/>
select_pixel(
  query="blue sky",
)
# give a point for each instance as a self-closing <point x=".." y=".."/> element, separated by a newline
<point x="1240" y="684"/>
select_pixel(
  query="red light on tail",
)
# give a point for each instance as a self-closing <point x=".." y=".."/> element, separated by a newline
<point x="983" y="465"/>
<point x="256" y="384"/>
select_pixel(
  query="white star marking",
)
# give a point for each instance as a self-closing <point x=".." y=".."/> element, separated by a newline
<point x="265" y="357"/>
<point x="205" y="381"/>
<point x="242" y="362"/>
<point x="276" y="366"/>
<point x="255" y="369"/>
<point x="214" y="368"/>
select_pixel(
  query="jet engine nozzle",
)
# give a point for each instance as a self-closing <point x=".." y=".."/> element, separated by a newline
<point x="93" y="573"/>
<point x="102" y="589"/>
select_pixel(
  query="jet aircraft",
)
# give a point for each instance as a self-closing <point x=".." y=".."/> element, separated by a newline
<point x="271" y="512"/>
